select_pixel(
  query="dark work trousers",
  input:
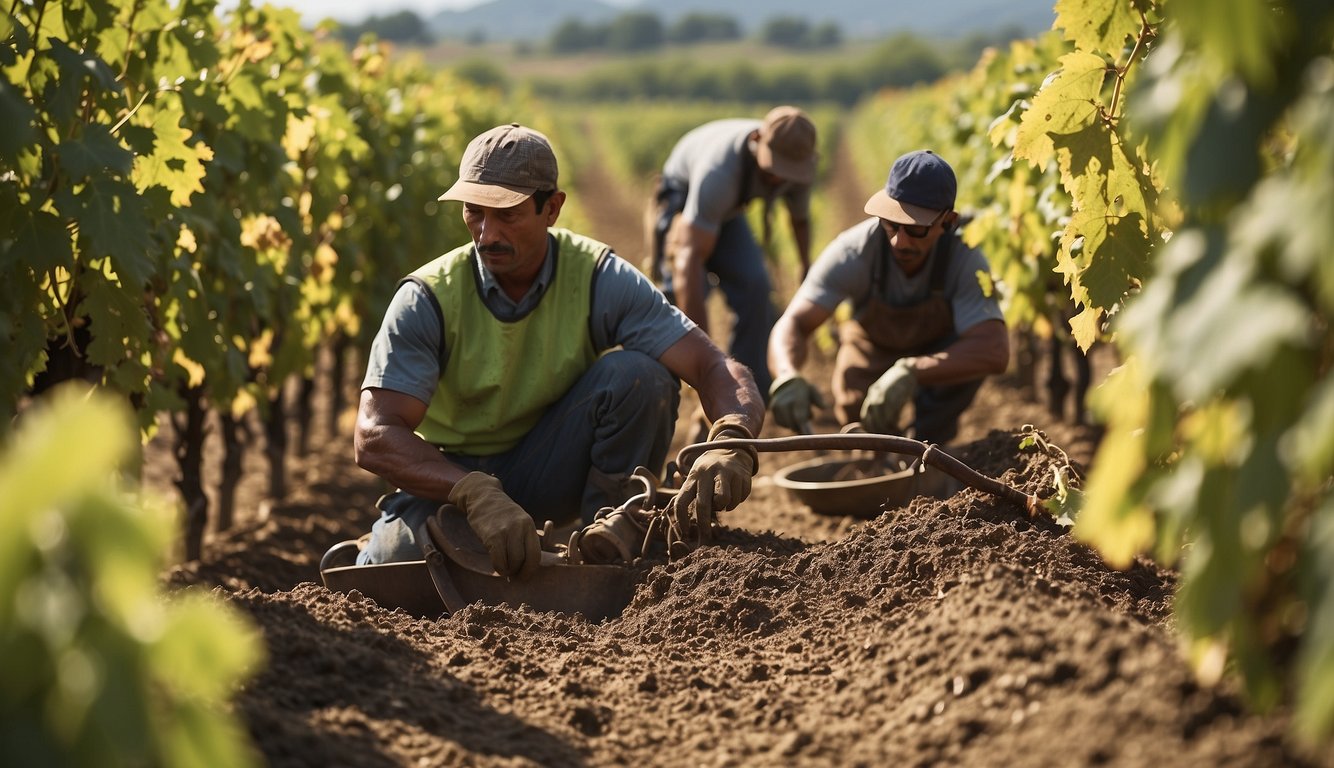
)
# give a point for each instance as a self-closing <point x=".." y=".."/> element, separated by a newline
<point x="618" y="416"/>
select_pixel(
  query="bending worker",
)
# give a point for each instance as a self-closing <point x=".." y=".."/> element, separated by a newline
<point x="922" y="329"/>
<point x="490" y="384"/>
<point x="709" y="179"/>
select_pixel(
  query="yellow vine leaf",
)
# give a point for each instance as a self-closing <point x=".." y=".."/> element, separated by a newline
<point x="261" y="353"/>
<point x="1067" y="103"/>
<point x="1097" y="25"/>
<point x="1113" y="520"/>
<point x="1086" y="327"/>
<point x="176" y="163"/>
<point x="194" y="370"/>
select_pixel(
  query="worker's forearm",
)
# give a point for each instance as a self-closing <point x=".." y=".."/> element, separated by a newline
<point x="688" y="283"/>
<point x="967" y="359"/>
<point x="404" y="460"/>
<point x="723" y="396"/>
<point x="787" y="348"/>
<point x="801" y="235"/>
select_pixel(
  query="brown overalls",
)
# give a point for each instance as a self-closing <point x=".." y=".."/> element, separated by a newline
<point x="879" y="334"/>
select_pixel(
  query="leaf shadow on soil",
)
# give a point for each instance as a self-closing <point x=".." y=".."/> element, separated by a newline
<point x="336" y="682"/>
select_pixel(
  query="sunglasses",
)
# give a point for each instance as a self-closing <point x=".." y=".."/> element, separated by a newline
<point x="915" y="231"/>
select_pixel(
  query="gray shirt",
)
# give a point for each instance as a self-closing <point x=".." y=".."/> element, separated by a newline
<point x="628" y="311"/>
<point x="843" y="272"/>
<point x="712" y="164"/>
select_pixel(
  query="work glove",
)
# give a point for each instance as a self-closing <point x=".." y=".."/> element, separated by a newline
<point x="885" y="399"/>
<point x="718" y="480"/>
<point x="504" y="528"/>
<point x="791" y="399"/>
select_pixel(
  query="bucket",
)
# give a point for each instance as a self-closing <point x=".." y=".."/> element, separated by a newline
<point x="861" y="486"/>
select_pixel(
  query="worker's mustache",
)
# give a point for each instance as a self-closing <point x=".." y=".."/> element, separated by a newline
<point x="495" y="249"/>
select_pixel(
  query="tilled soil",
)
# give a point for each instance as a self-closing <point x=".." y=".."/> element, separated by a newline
<point x="944" y="632"/>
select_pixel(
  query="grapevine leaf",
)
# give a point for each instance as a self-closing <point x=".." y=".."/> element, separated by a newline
<point x="1242" y="37"/>
<point x="22" y="332"/>
<point x="1313" y="436"/>
<point x="174" y="163"/>
<point x="1112" y="220"/>
<point x="16" y="121"/>
<point x="116" y="319"/>
<point x="112" y="222"/>
<point x="94" y="152"/>
<point x="1230" y="332"/>
<point x="35" y="471"/>
<point x="1097" y="25"/>
<point x="1002" y="129"/>
<point x="1067" y="103"/>
<point x="1226" y="133"/>
<point x="7" y="28"/>
<point x="1120" y="257"/>
<point x="41" y="241"/>
<point x="1112" y="519"/>
<point x="1086" y="327"/>
<point x="1315" y="663"/>
<point x="77" y="71"/>
<point x="1203" y="321"/>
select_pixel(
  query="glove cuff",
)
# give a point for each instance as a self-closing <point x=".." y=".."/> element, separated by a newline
<point x="471" y="484"/>
<point x="733" y="425"/>
<point x="783" y="381"/>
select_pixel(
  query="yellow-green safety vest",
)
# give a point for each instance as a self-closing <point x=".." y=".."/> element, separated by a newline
<point x="500" y="377"/>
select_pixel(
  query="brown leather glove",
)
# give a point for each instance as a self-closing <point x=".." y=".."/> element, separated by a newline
<point x="719" y="479"/>
<point x="506" y="530"/>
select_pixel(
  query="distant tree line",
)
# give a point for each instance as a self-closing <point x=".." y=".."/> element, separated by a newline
<point x="637" y="31"/>
<point x="900" y="61"/>
<point x="403" y="28"/>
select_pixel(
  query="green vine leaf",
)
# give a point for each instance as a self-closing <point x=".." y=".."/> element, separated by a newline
<point x="17" y="130"/>
<point x="93" y="153"/>
<point x="112" y="221"/>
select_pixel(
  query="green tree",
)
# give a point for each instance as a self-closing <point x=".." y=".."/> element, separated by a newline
<point x="826" y="35"/>
<point x="786" y="32"/>
<point x="635" y="32"/>
<point x="703" y="28"/>
<point x="404" y="28"/>
<point x="574" y="36"/>
<point x="903" y="60"/>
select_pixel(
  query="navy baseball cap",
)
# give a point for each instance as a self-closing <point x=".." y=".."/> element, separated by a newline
<point x="920" y="186"/>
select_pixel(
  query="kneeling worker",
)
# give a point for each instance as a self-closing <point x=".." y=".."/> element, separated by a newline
<point x="922" y="328"/>
<point x="524" y="375"/>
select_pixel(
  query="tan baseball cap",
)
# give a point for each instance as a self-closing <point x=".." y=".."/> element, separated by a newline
<point x="786" y="145"/>
<point x="503" y="167"/>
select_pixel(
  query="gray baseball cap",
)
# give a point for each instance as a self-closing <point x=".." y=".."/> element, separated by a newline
<point x="503" y="167"/>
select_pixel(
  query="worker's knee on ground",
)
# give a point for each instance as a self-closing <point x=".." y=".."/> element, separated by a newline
<point x="393" y="536"/>
<point x="391" y="541"/>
